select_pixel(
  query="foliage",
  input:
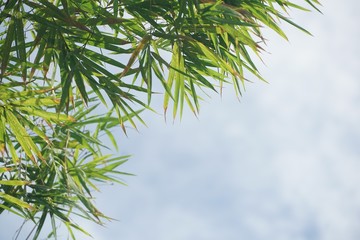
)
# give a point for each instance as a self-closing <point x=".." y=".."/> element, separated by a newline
<point x="61" y="60"/>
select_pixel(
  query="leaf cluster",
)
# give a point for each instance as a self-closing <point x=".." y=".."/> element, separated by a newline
<point x="71" y="71"/>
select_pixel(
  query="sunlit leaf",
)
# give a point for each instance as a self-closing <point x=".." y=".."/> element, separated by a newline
<point x="14" y="182"/>
<point x="14" y="200"/>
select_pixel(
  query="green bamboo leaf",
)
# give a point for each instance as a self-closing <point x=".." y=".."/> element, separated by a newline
<point x="106" y="38"/>
<point x="5" y="87"/>
<point x="116" y="8"/>
<point x="9" y="5"/>
<point x="76" y="68"/>
<point x="10" y="209"/>
<point x="131" y="115"/>
<point x="69" y="225"/>
<point x="34" y="128"/>
<point x="293" y="5"/>
<point x="51" y="10"/>
<point x="22" y="136"/>
<point x="37" y="102"/>
<point x="20" y="45"/>
<point x="6" y="47"/>
<point x="39" y="55"/>
<point x="265" y="18"/>
<point x="84" y="112"/>
<point x="112" y="139"/>
<point x="190" y="104"/>
<point x="98" y="43"/>
<point x="128" y="112"/>
<point x="147" y="15"/>
<point x="181" y="80"/>
<point x="2" y="133"/>
<point x="294" y="24"/>
<point x="94" y="66"/>
<point x="313" y="5"/>
<point x="194" y="96"/>
<point x="48" y="51"/>
<point x="65" y="6"/>
<point x="9" y="94"/>
<point x="88" y="6"/>
<point x="169" y="84"/>
<point x="47" y="115"/>
<point x="45" y="22"/>
<point x="57" y="211"/>
<point x="16" y="201"/>
<point x="135" y="53"/>
<point x="81" y="176"/>
<point x="66" y="78"/>
<point x="84" y="139"/>
<point x="41" y="222"/>
<point x="12" y="150"/>
<point x="94" y="85"/>
<point x="53" y="225"/>
<point x="242" y="36"/>
<point x="4" y="169"/>
<point x="145" y="62"/>
<point x="160" y="75"/>
<point x="103" y="58"/>
<point x="221" y="63"/>
<point x="14" y="182"/>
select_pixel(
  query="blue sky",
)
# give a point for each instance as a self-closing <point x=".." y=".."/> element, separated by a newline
<point x="280" y="164"/>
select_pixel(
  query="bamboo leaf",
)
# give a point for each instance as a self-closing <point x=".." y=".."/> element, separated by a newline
<point x="6" y="47"/>
<point x="135" y="53"/>
<point x="16" y="201"/>
<point x="47" y="115"/>
<point x="37" y="102"/>
<point x="22" y="136"/>
<point x="21" y="46"/>
<point x="13" y="182"/>
<point x="41" y="222"/>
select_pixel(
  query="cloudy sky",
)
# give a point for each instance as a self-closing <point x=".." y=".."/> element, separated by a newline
<point x="282" y="163"/>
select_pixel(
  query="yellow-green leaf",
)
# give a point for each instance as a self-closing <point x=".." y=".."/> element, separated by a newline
<point x="47" y="115"/>
<point x="13" y="182"/>
<point x="22" y="136"/>
<point x="15" y="200"/>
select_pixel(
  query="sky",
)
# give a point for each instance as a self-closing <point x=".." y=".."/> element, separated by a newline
<point x="280" y="164"/>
